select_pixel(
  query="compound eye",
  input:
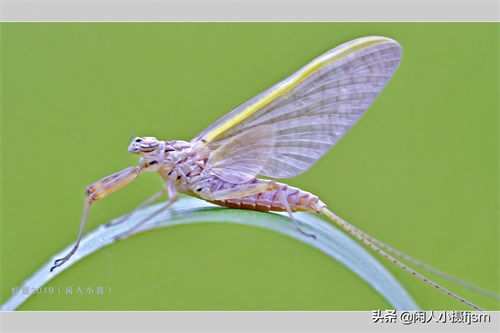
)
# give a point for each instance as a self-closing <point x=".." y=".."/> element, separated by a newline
<point x="149" y="144"/>
<point x="146" y="144"/>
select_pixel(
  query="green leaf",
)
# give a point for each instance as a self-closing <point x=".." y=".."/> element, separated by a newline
<point x="329" y="240"/>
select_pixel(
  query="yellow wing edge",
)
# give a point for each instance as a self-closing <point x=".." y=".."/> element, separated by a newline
<point x="291" y="82"/>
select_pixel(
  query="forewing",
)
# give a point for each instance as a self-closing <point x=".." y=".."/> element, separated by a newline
<point x="314" y="107"/>
<point x="243" y="156"/>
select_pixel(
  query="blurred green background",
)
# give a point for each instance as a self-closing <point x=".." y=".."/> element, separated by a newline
<point x="419" y="171"/>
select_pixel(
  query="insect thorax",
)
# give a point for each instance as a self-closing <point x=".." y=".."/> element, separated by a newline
<point x="181" y="163"/>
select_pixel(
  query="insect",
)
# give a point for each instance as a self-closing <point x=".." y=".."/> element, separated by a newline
<point x="280" y="133"/>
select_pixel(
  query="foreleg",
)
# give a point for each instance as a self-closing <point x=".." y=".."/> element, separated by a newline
<point x="97" y="191"/>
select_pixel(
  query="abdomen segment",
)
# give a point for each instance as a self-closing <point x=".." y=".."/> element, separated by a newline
<point x="270" y="200"/>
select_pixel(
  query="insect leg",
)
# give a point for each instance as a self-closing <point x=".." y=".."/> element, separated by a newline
<point x="96" y="191"/>
<point x="238" y="192"/>
<point x="172" y="198"/>
<point x="145" y="203"/>
<point x="254" y="188"/>
<point x="289" y="211"/>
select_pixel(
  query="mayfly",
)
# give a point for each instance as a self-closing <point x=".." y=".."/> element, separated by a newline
<point x="280" y="133"/>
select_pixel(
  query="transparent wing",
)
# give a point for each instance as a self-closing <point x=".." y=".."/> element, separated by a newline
<point x="242" y="157"/>
<point x="314" y="107"/>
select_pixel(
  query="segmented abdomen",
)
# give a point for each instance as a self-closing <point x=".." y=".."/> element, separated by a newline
<point x="270" y="200"/>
